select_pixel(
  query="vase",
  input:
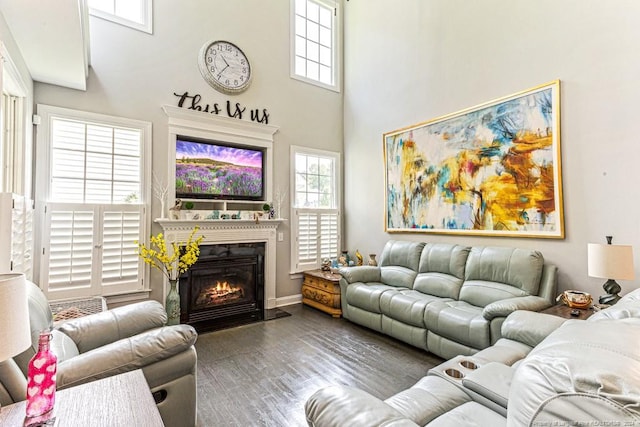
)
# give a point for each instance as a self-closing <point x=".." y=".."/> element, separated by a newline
<point x="41" y="378"/>
<point x="372" y="260"/>
<point x="172" y="303"/>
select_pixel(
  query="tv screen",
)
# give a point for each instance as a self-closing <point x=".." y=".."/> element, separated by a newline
<point x="214" y="170"/>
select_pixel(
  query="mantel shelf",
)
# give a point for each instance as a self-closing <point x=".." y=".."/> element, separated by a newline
<point x="169" y="223"/>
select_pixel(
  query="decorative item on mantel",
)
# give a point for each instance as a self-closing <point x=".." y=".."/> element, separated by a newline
<point x="372" y="260"/>
<point x="160" y="191"/>
<point x="185" y="213"/>
<point x="183" y="256"/>
<point x="611" y="262"/>
<point x="344" y="260"/>
<point x="278" y="199"/>
<point x="174" y="212"/>
<point x="359" y="259"/>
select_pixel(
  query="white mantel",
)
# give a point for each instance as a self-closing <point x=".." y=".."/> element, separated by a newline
<point x="233" y="231"/>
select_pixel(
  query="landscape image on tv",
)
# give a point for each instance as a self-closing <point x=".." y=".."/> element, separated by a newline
<point x="213" y="170"/>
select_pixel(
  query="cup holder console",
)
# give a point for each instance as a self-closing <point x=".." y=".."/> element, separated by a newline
<point x="455" y="369"/>
<point x="454" y="373"/>
<point x="468" y="364"/>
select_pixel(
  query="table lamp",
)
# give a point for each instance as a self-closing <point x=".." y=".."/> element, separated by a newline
<point x="611" y="262"/>
<point x="15" y="334"/>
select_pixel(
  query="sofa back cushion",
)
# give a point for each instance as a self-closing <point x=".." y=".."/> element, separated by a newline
<point x="399" y="262"/>
<point x="582" y="370"/>
<point x="441" y="269"/>
<point x="627" y="307"/>
<point x="496" y="273"/>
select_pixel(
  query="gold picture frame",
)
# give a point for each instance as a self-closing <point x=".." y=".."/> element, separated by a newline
<point x="493" y="170"/>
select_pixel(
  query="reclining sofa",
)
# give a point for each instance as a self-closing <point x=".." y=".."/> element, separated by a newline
<point x="544" y="371"/>
<point x="447" y="299"/>
<point x="110" y="343"/>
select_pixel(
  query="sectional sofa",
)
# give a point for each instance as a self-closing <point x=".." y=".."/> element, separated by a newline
<point x="544" y="371"/>
<point x="447" y="299"/>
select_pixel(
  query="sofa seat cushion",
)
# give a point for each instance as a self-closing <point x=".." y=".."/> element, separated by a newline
<point x="407" y="306"/>
<point x="483" y="292"/>
<point x="458" y="321"/>
<point x="367" y="296"/>
<point x="470" y="414"/>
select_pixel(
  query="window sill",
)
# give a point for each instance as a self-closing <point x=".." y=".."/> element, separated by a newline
<point x="127" y="297"/>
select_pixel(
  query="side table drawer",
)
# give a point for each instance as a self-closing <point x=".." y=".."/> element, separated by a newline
<point x="325" y="285"/>
<point x="323" y="297"/>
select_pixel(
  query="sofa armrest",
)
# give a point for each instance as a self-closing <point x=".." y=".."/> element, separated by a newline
<point x="365" y="273"/>
<point x="529" y="327"/>
<point x="126" y="355"/>
<point x="346" y="406"/>
<point x="97" y="330"/>
<point x="505" y="307"/>
<point x="491" y="381"/>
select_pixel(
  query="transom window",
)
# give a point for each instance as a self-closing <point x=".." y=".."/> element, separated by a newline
<point x="315" y="42"/>
<point x="136" y="14"/>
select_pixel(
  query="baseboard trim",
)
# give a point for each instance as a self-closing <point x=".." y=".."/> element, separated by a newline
<point x="291" y="299"/>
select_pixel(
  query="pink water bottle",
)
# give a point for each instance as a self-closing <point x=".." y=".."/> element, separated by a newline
<point x="41" y="382"/>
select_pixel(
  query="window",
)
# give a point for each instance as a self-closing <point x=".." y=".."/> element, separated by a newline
<point x="316" y="214"/>
<point x="91" y="177"/>
<point x="136" y="14"/>
<point x="315" y="42"/>
<point x="15" y="156"/>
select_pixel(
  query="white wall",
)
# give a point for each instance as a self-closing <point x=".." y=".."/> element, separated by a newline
<point x="134" y="73"/>
<point x="411" y="61"/>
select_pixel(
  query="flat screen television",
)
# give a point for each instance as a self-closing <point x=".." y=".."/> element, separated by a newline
<point x="207" y="169"/>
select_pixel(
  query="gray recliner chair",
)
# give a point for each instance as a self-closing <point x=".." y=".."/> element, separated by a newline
<point x="110" y="343"/>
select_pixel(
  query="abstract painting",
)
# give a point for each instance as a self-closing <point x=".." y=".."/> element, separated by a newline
<point x="493" y="169"/>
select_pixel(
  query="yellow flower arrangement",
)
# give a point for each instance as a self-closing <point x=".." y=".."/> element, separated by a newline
<point x="183" y="255"/>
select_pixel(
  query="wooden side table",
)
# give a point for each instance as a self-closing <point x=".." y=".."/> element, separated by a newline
<point x="321" y="290"/>
<point x="563" y="310"/>
<point x="121" y="400"/>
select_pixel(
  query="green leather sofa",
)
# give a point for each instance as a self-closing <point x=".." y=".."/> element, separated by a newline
<point x="447" y="299"/>
<point x="544" y="371"/>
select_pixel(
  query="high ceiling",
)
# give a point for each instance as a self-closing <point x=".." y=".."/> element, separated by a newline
<point x="53" y="36"/>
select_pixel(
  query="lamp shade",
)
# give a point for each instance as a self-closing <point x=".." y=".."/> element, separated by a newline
<point x="610" y="261"/>
<point x="15" y="334"/>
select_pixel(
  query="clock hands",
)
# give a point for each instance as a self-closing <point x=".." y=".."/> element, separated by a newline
<point x="226" y="66"/>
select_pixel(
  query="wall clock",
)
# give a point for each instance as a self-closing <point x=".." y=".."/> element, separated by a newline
<point x="225" y="67"/>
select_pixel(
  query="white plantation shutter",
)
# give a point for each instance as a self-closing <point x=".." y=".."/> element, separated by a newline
<point x="120" y="262"/>
<point x="69" y="257"/>
<point x="94" y="212"/>
<point x="329" y="234"/>
<point x="317" y="236"/>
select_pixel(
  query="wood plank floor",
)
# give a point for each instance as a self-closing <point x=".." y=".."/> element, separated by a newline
<point x="262" y="374"/>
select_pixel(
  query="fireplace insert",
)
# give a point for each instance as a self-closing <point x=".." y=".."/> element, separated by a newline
<point x="225" y="287"/>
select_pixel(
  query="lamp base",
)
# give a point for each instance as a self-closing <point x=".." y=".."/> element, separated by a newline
<point x="612" y="288"/>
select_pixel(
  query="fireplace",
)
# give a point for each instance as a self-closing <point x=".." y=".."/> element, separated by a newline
<point x="225" y="287"/>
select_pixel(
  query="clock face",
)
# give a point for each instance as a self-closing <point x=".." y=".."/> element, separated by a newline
<point x="225" y="67"/>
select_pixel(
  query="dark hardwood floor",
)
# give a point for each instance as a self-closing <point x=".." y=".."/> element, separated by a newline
<point x="262" y="374"/>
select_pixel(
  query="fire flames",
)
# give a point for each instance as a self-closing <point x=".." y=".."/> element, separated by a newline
<point x="220" y="293"/>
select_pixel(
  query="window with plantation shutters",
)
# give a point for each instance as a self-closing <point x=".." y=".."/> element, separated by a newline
<point x="93" y="175"/>
<point x="316" y="216"/>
